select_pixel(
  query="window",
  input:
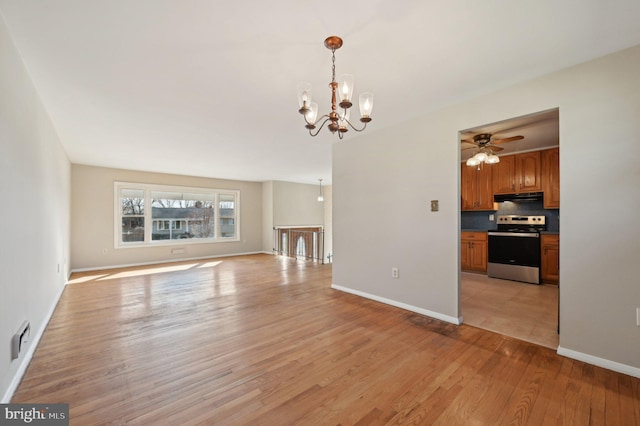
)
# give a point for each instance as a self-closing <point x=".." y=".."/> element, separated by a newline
<point x="132" y="217"/>
<point x="175" y="213"/>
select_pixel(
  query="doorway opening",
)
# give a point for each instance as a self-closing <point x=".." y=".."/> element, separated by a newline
<point x="524" y="146"/>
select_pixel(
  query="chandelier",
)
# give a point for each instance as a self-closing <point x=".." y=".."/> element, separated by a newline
<point x="343" y="90"/>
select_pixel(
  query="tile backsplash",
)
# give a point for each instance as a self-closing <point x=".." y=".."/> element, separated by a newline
<point x="480" y="220"/>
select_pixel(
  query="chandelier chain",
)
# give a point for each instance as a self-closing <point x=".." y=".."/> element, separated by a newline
<point x="333" y="65"/>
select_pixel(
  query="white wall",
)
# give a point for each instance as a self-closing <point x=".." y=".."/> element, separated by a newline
<point x="383" y="181"/>
<point x="35" y="176"/>
<point x="92" y="230"/>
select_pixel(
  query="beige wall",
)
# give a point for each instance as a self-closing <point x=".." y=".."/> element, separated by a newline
<point x="328" y="221"/>
<point x="296" y="204"/>
<point x="92" y="229"/>
<point x="404" y="167"/>
<point x="35" y="176"/>
<point x="267" y="217"/>
<point x="293" y="204"/>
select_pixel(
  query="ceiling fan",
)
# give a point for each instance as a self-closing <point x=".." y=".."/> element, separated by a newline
<point x="486" y="148"/>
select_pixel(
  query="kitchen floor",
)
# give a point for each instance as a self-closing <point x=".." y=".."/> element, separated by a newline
<point x="524" y="311"/>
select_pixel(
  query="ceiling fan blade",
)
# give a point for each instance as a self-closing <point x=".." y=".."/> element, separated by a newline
<point x="467" y="141"/>
<point x="511" y="139"/>
<point x="496" y="148"/>
<point x="470" y="147"/>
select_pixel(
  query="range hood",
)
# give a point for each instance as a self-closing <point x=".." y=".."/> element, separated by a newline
<point x="527" y="196"/>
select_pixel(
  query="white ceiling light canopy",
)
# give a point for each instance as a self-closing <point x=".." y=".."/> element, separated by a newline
<point x="341" y="93"/>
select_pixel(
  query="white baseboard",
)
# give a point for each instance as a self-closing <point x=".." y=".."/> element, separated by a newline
<point x="155" y="262"/>
<point x="600" y="362"/>
<point x="426" y="312"/>
<point x="26" y="358"/>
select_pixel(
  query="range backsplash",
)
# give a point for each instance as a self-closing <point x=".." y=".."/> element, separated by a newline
<point x="480" y="220"/>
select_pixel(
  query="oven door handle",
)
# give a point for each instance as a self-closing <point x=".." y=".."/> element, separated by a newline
<point x="514" y="234"/>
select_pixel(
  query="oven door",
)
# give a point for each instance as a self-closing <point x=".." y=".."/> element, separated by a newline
<point x="514" y="248"/>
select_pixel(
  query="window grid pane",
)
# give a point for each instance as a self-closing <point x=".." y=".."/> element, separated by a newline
<point x="197" y="214"/>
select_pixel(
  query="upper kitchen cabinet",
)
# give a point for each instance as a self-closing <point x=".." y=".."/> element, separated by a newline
<point x="518" y="173"/>
<point x="476" y="187"/>
<point x="551" y="178"/>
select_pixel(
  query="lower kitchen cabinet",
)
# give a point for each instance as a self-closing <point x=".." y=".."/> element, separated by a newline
<point x="550" y="270"/>
<point x="474" y="251"/>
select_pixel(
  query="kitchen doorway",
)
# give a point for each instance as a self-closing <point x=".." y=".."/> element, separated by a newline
<point x="525" y="311"/>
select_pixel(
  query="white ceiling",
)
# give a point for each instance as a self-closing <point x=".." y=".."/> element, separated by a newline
<point x="539" y="130"/>
<point x="207" y="87"/>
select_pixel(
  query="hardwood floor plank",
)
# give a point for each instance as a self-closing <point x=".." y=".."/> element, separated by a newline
<point x="264" y="340"/>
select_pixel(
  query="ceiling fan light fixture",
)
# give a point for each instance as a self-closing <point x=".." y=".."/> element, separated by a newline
<point x="473" y="161"/>
<point x="481" y="157"/>
<point x="485" y="144"/>
<point x="492" y="159"/>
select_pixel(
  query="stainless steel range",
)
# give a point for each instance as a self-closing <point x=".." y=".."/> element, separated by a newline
<point x="514" y="248"/>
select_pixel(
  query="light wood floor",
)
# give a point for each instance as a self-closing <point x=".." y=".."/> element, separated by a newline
<point x="525" y="311"/>
<point x="264" y="340"/>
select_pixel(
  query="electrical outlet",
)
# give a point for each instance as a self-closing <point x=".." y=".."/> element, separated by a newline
<point x="491" y="217"/>
<point x="395" y="272"/>
<point x="20" y="339"/>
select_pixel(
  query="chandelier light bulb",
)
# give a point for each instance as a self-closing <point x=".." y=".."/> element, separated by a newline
<point x="366" y="105"/>
<point x="304" y="95"/>
<point x="345" y="87"/>
<point x="313" y="112"/>
<point x="343" y="121"/>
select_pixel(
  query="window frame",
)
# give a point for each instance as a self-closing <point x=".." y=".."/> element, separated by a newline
<point x="149" y="221"/>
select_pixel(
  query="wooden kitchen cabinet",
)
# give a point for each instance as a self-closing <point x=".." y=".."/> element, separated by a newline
<point x="551" y="178"/>
<point x="550" y="270"/>
<point x="476" y="187"/>
<point x="473" y="251"/>
<point x="517" y="174"/>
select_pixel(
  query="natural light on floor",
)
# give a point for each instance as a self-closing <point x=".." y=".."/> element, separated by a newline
<point x="142" y="272"/>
